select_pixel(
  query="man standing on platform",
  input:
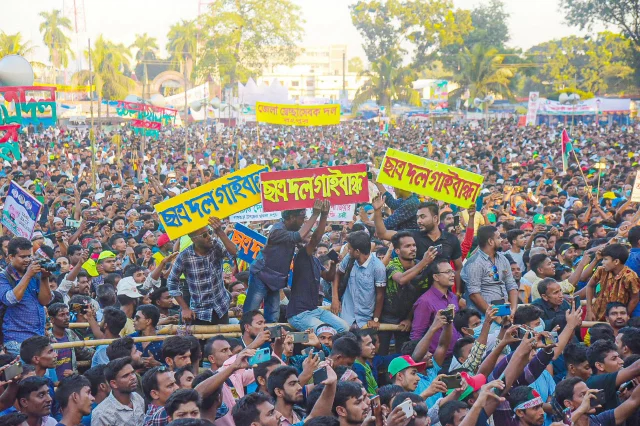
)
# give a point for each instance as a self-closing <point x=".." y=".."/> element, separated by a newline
<point x="201" y="263"/>
<point x="270" y="272"/>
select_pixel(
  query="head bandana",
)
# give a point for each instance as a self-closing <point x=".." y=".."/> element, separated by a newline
<point x="534" y="401"/>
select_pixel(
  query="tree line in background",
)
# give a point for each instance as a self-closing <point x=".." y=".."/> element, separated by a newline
<point x="403" y="40"/>
<point x="409" y="39"/>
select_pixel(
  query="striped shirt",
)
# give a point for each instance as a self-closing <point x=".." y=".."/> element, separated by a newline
<point x="478" y="274"/>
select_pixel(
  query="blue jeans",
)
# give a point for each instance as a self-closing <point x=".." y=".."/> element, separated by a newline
<point x="312" y="319"/>
<point x="256" y="294"/>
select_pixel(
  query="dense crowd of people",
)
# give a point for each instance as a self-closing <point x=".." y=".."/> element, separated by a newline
<point x="521" y="309"/>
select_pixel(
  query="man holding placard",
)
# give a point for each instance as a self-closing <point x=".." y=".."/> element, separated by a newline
<point x="265" y="282"/>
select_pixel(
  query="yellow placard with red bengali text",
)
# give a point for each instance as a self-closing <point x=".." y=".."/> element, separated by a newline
<point x="298" y="115"/>
<point x="429" y="178"/>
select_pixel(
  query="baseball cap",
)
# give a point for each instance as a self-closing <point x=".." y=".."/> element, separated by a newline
<point x="163" y="239"/>
<point x="128" y="287"/>
<point x="474" y="384"/>
<point x="106" y="255"/>
<point x="85" y="202"/>
<point x="402" y="363"/>
<point x="566" y="246"/>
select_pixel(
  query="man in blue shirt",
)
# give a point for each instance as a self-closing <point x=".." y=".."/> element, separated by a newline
<point x="24" y="292"/>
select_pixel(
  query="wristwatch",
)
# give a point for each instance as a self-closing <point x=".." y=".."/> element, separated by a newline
<point x="376" y="319"/>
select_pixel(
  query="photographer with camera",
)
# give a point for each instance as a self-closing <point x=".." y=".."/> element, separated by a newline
<point x="24" y="292"/>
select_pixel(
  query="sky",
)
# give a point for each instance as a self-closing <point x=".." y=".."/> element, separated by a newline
<point x="327" y="21"/>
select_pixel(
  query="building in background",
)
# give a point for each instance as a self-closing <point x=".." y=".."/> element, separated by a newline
<point x="317" y="75"/>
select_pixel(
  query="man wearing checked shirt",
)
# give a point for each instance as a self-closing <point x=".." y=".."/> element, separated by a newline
<point x="201" y="263"/>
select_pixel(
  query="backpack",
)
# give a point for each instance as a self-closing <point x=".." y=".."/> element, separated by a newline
<point x="344" y="281"/>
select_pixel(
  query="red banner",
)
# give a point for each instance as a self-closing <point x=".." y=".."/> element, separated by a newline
<point x="297" y="189"/>
<point x="151" y="125"/>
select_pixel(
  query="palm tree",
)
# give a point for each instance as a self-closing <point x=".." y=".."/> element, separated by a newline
<point x="11" y="44"/>
<point x="52" y="29"/>
<point x="108" y="61"/>
<point x="183" y="44"/>
<point x="482" y="72"/>
<point x="147" y="47"/>
<point x="388" y="81"/>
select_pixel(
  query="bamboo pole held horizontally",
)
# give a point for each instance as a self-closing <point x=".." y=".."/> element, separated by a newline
<point x="100" y="342"/>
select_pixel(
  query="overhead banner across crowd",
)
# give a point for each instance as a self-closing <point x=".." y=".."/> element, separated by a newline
<point x="339" y="213"/>
<point x="20" y="212"/>
<point x="223" y="197"/>
<point x="298" y="115"/>
<point x="249" y="242"/>
<point x="429" y="178"/>
<point x="298" y="189"/>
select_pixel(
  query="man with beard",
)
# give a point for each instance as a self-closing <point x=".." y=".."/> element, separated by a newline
<point x="113" y="321"/>
<point x="351" y="404"/>
<point x="487" y="273"/>
<point x="285" y="389"/>
<point x="527" y="405"/>
<point x="405" y="283"/>
<point x="404" y="372"/>
<point x="34" y="400"/>
<point x="617" y="316"/>
<point x="124" y="406"/>
<point x="427" y="235"/>
<point x="256" y="409"/>
<point x="76" y="401"/>
<point x="202" y="265"/>
<point x="67" y="358"/>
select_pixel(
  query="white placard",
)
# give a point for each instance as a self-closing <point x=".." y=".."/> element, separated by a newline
<point x="342" y="213"/>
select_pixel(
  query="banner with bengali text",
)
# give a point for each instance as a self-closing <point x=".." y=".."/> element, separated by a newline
<point x="21" y="211"/>
<point x="249" y="242"/>
<point x="341" y="213"/>
<point x="430" y="178"/>
<point x="298" y="189"/>
<point x="223" y="197"/>
<point x="298" y="115"/>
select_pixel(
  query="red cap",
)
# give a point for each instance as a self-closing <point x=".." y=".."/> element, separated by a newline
<point x="163" y="239"/>
<point x="476" y="382"/>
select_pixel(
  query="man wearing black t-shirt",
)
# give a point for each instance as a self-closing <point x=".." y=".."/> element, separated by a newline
<point x="608" y="373"/>
<point x="428" y="234"/>
<point x="302" y="311"/>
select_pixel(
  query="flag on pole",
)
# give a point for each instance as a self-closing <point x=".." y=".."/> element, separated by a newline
<point x="566" y="148"/>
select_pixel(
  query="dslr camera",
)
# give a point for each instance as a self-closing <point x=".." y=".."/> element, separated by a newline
<point x="48" y="265"/>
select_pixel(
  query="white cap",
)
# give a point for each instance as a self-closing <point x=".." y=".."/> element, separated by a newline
<point x="85" y="202"/>
<point x="128" y="287"/>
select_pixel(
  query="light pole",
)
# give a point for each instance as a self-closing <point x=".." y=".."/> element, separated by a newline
<point x="572" y="99"/>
